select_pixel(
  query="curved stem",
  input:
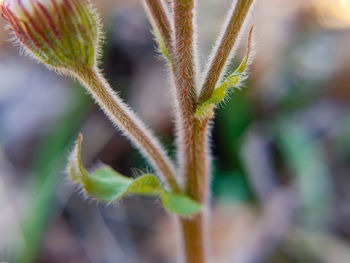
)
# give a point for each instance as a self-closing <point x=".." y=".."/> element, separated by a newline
<point x="127" y="121"/>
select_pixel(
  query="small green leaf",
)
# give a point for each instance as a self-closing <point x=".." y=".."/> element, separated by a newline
<point x="206" y="109"/>
<point x="107" y="185"/>
<point x="180" y="204"/>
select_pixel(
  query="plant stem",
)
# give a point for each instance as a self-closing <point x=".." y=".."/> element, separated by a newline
<point x="194" y="230"/>
<point x="196" y="184"/>
<point x="127" y="121"/>
<point x="185" y="82"/>
<point x="224" y="47"/>
<point x="194" y="237"/>
<point x="160" y="15"/>
<point x="192" y="133"/>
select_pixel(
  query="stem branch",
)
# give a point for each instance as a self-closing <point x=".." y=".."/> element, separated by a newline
<point x="126" y="120"/>
<point x="224" y="48"/>
<point x="160" y="16"/>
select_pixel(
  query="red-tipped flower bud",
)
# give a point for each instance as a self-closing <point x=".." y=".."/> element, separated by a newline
<point x="63" y="34"/>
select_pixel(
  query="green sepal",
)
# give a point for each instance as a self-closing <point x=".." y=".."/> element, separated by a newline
<point x="206" y="109"/>
<point x="107" y="185"/>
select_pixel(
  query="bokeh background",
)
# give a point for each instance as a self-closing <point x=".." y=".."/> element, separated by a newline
<point x="281" y="146"/>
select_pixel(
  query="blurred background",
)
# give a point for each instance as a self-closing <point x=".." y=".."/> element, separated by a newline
<point x="281" y="146"/>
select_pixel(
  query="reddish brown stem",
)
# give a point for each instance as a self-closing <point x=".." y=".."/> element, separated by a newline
<point x="196" y="184"/>
<point x="224" y="48"/>
<point x="160" y="16"/>
<point x="194" y="239"/>
<point x="192" y="133"/>
<point x="194" y="230"/>
<point x="185" y="80"/>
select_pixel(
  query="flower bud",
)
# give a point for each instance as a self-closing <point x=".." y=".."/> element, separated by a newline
<point x="63" y="34"/>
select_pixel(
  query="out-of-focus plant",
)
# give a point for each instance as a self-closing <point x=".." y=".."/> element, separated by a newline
<point x="65" y="35"/>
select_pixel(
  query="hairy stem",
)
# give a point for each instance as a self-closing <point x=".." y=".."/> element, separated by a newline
<point x="196" y="184"/>
<point x="126" y="120"/>
<point x="185" y="80"/>
<point x="194" y="239"/>
<point x="224" y="47"/>
<point x="194" y="230"/>
<point x="192" y="133"/>
<point x="160" y="16"/>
